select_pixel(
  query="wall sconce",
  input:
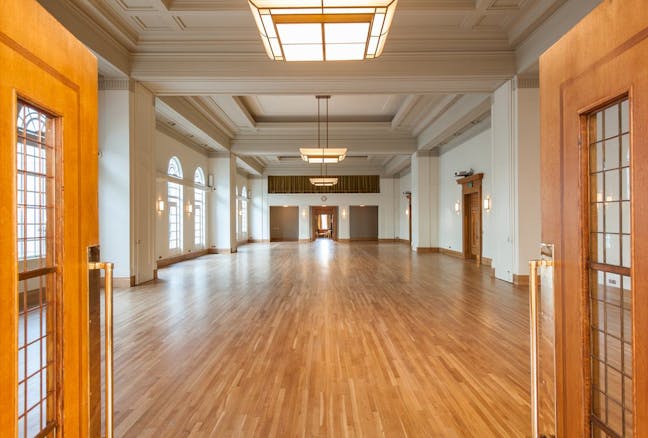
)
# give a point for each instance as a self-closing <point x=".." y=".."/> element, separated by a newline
<point x="407" y="212"/>
<point x="457" y="207"/>
<point x="487" y="203"/>
<point x="189" y="208"/>
<point x="160" y="206"/>
<point x="344" y="213"/>
<point x="304" y="213"/>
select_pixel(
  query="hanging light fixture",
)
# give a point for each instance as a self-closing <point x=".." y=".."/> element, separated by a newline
<point x="323" y="30"/>
<point x="320" y="155"/>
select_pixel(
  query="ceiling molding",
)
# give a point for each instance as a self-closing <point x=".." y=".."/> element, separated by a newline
<point x="249" y="165"/>
<point x="468" y="109"/>
<point x="165" y="129"/>
<point x="185" y="110"/>
<point x="405" y="109"/>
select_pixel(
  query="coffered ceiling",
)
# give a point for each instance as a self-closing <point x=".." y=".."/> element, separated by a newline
<point x="218" y="91"/>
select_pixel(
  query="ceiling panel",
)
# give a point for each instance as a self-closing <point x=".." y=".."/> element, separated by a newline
<point x="298" y="107"/>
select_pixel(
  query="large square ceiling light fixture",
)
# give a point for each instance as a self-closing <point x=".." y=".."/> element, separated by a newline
<point x="323" y="30"/>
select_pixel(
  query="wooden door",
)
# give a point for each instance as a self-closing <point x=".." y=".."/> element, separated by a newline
<point x="595" y="207"/>
<point x="475" y="226"/>
<point x="48" y="217"/>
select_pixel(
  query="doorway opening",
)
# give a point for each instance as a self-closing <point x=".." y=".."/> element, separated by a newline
<point x="471" y="188"/>
<point x="324" y="223"/>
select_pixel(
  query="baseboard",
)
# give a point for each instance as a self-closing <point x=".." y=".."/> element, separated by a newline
<point x="344" y="240"/>
<point x="305" y="240"/>
<point x="258" y="241"/>
<point x="521" y="280"/>
<point x="405" y="241"/>
<point x="284" y="240"/>
<point x="389" y="240"/>
<point x="486" y="261"/>
<point x="492" y="272"/>
<point x="124" y="282"/>
<point x="451" y="253"/>
<point x="220" y="251"/>
<point x="426" y="250"/>
<point x="163" y="263"/>
<point x="364" y="239"/>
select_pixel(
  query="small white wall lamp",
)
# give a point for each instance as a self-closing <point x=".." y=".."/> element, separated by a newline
<point x="189" y="208"/>
<point x="344" y="213"/>
<point x="160" y="205"/>
<point x="457" y="207"/>
<point x="487" y="203"/>
<point x="407" y="212"/>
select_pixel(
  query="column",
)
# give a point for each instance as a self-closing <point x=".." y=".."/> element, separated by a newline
<point x="222" y="204"/>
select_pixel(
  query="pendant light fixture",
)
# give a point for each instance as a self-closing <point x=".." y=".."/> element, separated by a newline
<point x="323" y="30"/>
<point x="320" y="155"/>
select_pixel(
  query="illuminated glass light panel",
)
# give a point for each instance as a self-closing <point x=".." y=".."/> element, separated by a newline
<point x="323" y="156"/>
<point x="323" y="30"/>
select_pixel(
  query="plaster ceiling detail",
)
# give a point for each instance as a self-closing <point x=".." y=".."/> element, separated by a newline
<point x="217" y="91"/>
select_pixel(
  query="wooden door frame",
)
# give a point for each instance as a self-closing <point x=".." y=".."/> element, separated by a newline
<point x="40" y="65"/>
<point x="469" y="186"/>
<point x="330" y="210"/>
<point x="582" y="72"/>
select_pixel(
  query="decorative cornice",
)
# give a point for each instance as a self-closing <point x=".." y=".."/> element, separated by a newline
<point x="115" y="84"/>
<point x="522" y="82"/>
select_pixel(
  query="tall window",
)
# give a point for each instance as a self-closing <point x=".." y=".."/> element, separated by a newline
<point x="199" y="209"/>
<point x="244" y="220"/>
<point x="175" y="204"/>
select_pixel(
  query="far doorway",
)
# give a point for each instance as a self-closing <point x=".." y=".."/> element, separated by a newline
<point x="472" y="216"/>
<point x="324" y="223"/>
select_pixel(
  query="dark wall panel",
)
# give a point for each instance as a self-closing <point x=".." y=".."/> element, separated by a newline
<point x="284" y="224"/>
<point x="363" y="222"/>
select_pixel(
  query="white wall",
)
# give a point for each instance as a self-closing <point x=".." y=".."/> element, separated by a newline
<point x="241" y="182"/>
<point x="222" y="203"/>
<point x="262" y="201"/>
<point x="474" y="153"/>
<point x="528" y="178"/>
<point x="114" y="180"/>
<point x="425" y="194"/>
<point x="190" y="159"/>
<point x="402" y="214"/>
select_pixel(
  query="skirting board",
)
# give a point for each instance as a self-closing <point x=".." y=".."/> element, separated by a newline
<point x="124" y="282"/>
<point x="486" y="261"/>
<point x="451" y="252"/>
<point x="521" y="280"/>
<point x="163" y="263"/>
<point x="258" y="240"/>
<point x="422" y="250"/>
<point x="220" y="251"/>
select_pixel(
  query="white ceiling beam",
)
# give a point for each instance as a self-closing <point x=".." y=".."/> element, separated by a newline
<point x="533" y="15"/>
<point x="441" y="107"/>
<point x="466" y="110"/>
<point x="240" y="74"/>
<point x="397" y="164"/>
<point x="250" y="165"/>
<point x="403" y="111"/>
<point x="236" y="110"/>
<point x="182" y="108"/>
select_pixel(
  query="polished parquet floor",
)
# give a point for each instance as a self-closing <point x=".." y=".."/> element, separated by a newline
<point x="322" y="340"/>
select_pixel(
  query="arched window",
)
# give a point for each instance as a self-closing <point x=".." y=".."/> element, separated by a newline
<point x="199" y="208"/>
<point x="244" y="215"/>
<point x="174" y="194"/>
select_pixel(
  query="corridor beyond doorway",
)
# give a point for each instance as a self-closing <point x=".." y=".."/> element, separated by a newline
<point x="318" y="339"/>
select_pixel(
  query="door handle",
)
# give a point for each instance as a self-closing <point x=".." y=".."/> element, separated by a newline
<point x="534" y="266"/>
<point x="108" y="296"/>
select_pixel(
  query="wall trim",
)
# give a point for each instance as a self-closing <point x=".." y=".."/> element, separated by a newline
<point x="426" y="250"/>
<point x="163" y="263"/>
<point x="521" y="280"/>
<point x="220" y="251"/>
<point x="451" y="253"/>
<point x="258" y="241"/>
<point x="486" y="261"/>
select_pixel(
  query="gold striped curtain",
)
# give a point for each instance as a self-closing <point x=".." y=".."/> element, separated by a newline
<point x="346" y="184"/>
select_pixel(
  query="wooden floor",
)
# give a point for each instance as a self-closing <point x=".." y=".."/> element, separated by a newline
<point x="322" y="340"/>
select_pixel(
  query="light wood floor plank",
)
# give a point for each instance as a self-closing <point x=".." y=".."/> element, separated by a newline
<point x="322" y="340"/>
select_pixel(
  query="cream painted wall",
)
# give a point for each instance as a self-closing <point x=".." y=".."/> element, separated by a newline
<point x="475" y="153"/>
<point x="262" y="201"/>
<point x="114" y="180"/>
<point x="402" y="214"/>
<point x="241" y="182"/>
<point x="165" y="148"/>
